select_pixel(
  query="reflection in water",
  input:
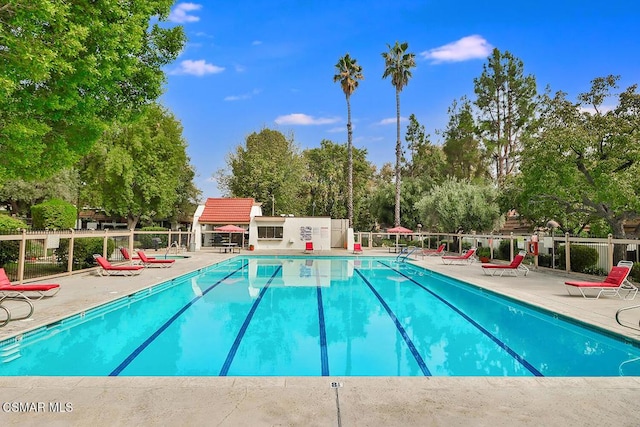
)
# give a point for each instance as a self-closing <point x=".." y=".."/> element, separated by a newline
<point x="190" y="328"/>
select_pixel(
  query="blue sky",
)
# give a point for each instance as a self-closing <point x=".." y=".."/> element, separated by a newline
<point x="254" y="64"/>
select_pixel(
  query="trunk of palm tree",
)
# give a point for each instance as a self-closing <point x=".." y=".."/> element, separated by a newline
<point x="349" y="166"/>
<point x="398" y="159"/>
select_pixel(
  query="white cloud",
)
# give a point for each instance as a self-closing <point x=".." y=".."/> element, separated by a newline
<point x="180" y="14"/>
<point x="391" y="121"/>
<point x="470" y="47"/>
<point x="240" y="68"/>
<point x="256" y="42"/>
<point x="243" y="96"/>
<point x="197" y="68"/>
<point x="304" y="120"/>
<point x="603" y="109"/>
<point x="338" y="129"/>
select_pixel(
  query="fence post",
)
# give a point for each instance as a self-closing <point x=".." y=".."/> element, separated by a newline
<point x="511" y="246"/>
<point x="609" y="251"/>
<point x="21" y="255"/>
<point x="71" y="245"/>
<point x="104" y="244"/>
<point x="475" y="239"/>
<point x="131" y="239"/>
<point x="567" y="253"/>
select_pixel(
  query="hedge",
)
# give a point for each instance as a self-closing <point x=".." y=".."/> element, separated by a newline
<point x="582" y="258"/>
<point x="55" y="214"/>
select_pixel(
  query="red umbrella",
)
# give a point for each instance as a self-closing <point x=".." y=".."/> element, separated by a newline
<point x="399" y="230"/>
<point x="230" y="228"/>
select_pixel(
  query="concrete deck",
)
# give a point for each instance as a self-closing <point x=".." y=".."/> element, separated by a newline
<point x="310" y="401"/>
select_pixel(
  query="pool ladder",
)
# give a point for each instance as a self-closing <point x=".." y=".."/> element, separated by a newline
<point x="627" y="325"/>
<point x="173" y="245"/>
<point x="405" y="253"/>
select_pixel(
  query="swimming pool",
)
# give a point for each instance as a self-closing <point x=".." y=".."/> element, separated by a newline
<point x="316" y="316"/>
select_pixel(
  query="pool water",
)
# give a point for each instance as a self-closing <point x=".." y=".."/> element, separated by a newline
<point x="317" y="316"/>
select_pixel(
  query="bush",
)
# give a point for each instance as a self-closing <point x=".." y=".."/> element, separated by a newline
<point x="55" y="213"/>
<point x="545" y="260"/>
<point x="504" y="250"/>
<point x="10" y="251"/>
<point x="635" y="272"/>
<point x="582" y="257"/>
<point x="146" y="240"/>
<point x="83" y="250"/>
<point x="484" y="251"/>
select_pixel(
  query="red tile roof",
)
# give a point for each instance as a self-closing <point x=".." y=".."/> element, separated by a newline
<point x="227" y="211"/>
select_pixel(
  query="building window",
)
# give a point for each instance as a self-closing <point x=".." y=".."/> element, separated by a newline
<point x="271" y="232"/>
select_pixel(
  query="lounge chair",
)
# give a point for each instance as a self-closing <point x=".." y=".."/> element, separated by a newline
<point x="125" y="254"/>
<point x="151" y="262"/>
<point x="612" y="285"/>
<point x="434" y="252"/>
<point x="514" y="268"/>
<point x="40" y="289"/>
<point x="357" y="248"/>
<point x="107" y="269"/>
<point x="467" y="257"/>
<point x="308" y="248"/>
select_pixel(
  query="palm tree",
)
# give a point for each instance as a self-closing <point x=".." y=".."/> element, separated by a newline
<point x="398" y="64"/>
<point x="348" y="74"/>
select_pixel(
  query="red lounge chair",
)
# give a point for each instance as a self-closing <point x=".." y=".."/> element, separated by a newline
<point x="108" y="269"/>
<point x="128" y="257"/>
<point x="357" y="248"/>
<point x="612" y="285"/>
<point x="434" y="252"/>
<point x="308" y="248"/>
<point x="513" y="268"/>
<point x="467" y="257"/>
<point x="151" y="262"/>
<point x="40" y="289"/>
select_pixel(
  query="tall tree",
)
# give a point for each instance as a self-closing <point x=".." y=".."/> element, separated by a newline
<point x="137" y="168"/>
<point x="268" y="168"/>
<point x="325" y="174"/>
<point x="505" y="98"/>
<point x="348" y="73"/>
<point x="398" y="64"/>
<point x="68" y="68"/>
<point x="586" y="159"/>
<point x="465" y="159"/>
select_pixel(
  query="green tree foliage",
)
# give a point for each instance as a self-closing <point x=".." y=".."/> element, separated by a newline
<point x="18" y="195"/>
<point x="54" y="214"/>
<point x="427" y="162"/>
<point x="581" y="257"/>
<point x="137" y="168"/>
<point x="585" y="162"/>
<point x="348" y="72"/>
<point x="67" y="68"/>
<point x="268" y="165"/>
<point x="326" y="171"/>
<point x="9" y="250"/>
<point x="456" y="206"/>
<point x="505" y="98"/>
<point x="464" y="157"/>
<point x="397" y="65"/>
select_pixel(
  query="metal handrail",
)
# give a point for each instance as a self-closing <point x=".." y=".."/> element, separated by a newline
<point x="406" y="253"/>
<point x="627" y="325"/>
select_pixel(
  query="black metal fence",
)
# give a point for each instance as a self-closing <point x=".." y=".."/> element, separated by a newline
<point x="37" y="254"/>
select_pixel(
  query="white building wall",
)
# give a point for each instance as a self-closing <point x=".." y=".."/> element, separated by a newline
<point x="293" y="236"/>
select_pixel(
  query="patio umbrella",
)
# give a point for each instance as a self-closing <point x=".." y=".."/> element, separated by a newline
<point x="399" y="230"/>
<point x="230" y="228"/>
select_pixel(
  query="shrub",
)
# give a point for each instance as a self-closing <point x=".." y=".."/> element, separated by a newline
<point x="582" y="257"/>
<point x="504" y="250"/>
<point x="10" y="251"/>
<point x="83" y="250"/>
<point x="146" y="240"/>
<point x="484" y="251"/>
<point x="545" y="260"/>
<point x="55" y="214"/>
<point x="635" y="272"/>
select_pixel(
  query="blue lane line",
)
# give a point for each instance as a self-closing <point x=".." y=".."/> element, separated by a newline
<point x="324" y="358"/>
<point x="168" y="323"/>
<point x="403" y="332"/>
<point x="492" y="337"/>
<point x="234" y="348"/>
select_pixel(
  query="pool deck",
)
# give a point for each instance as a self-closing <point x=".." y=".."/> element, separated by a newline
<point x="324" y="401"/>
